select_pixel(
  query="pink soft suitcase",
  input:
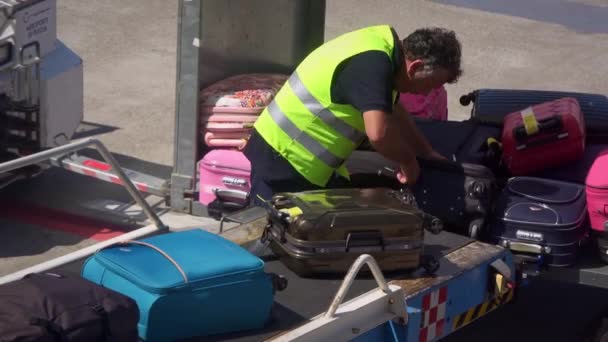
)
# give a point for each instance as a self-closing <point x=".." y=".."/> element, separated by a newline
<point x="229" y="122"/>
<point x="225" y="140"/>
<point x="241" y="94"/>
<point x="433" y="106"/>
<point x="597" y="202"/>
<point x="224" y="175"/>
<point x="543" y="136"/>
<point x="597" y="192"/>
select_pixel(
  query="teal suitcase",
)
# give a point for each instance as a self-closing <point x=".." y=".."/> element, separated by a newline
<point x="187" y="284"/>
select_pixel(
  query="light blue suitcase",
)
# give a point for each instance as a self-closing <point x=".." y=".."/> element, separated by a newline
<point x="188" y="283"/>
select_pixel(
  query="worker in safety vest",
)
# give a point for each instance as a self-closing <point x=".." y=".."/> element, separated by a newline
<point x="342" y="92"/>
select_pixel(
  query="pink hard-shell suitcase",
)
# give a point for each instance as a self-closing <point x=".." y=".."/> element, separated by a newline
<point x="224" y="175"/>
<point x="241" y="94"/>
<point x="597" y="192"/>
<point x="433" y="106"/>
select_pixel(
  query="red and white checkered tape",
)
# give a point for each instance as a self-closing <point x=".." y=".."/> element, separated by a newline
<point x="433" y="315"/>
<point x="99" y="170"/>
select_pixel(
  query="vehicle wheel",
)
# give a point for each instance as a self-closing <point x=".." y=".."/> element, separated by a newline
<point x="430" y="264"/>
<point x="475" y="228"/>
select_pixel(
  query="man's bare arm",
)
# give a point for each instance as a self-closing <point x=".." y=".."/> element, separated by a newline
<point x="385" y="135"/>
<point x="419" y="143"/>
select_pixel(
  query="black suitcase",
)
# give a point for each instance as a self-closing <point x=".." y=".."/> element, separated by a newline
<point x="541" y="219"/>
<point x="324" y="231"/>
<point x="459" y="194"/>
<point x="53" y="307"/>
<point x="491" y="105"/>
<point x="601" y="240"/>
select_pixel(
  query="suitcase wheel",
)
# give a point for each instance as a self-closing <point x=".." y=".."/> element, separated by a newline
<point x="475" y="228"/>
<point x="432" y="224"/>
<point x="466" y="99"/>
<point x="279" y="283"/>
<point x="603" y="256"/>
<point x="430" y="264"/>
<point x="599" y="330"/>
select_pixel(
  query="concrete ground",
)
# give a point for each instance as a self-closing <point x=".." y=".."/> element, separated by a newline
<point x="128" y="50"/>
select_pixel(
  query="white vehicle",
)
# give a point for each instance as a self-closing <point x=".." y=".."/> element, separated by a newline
<point x="41" y="80"/>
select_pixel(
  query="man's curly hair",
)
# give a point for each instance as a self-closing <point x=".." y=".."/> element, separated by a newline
<point x="437" y="47"/>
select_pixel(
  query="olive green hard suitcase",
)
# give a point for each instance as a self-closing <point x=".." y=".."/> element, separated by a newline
<point x="324" y="231"/>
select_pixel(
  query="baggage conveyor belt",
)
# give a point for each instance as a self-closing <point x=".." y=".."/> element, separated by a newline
<point x="305" y="298"/>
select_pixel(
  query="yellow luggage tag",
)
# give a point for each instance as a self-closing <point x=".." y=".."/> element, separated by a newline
<point x="293" y="212"/>
<point x="529" y="120"/>
<point x="492" y="140"/>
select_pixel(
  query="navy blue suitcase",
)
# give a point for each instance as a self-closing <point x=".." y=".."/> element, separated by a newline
<point x="541" y="219"/>
<point x="491" y="105"/>
<point x="187" y="284"/>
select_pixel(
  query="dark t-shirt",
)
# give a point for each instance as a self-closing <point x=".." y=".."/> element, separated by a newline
<point x="364" y="81"/>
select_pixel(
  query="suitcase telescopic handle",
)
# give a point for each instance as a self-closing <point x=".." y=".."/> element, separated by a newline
<point x="364" y="239"/>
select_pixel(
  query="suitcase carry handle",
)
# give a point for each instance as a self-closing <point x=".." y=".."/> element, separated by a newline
<point x="526" y="247"/>
<point x="550" y="124"/>
<point x="149" y="245"/>
<point x="364" y="239"/>
<point x="543" y="141"/>
<point x="231" y="193"/>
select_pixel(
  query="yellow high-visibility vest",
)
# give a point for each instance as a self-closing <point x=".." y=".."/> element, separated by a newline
<point x="311" y="132"/>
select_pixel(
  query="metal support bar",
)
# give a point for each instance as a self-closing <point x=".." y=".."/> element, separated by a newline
<point x="77" y="255"/>
<point x="183" y="177"/>
<point x="343" y="322"/>
<point x="70" y="148"/>
<point x="350" y="277"/>
<point x="102" y="171"/>
<point x="40" y="157"/>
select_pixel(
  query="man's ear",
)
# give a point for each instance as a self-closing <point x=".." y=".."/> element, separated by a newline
<point x="412" y="67"/>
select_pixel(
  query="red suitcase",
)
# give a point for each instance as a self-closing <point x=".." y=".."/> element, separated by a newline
<point x="542" y="136"/>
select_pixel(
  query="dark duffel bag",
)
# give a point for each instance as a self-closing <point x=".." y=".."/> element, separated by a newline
<point x="490" y="106"/>
<point x="51" y="307"/>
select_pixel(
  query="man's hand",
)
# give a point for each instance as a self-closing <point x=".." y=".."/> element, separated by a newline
<point x="409" y="173"/>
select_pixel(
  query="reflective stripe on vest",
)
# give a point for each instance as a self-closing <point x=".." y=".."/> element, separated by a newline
<point x="304" y="139"/>
<point x="323" y="113"/>
<point x="316" y="108"/>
